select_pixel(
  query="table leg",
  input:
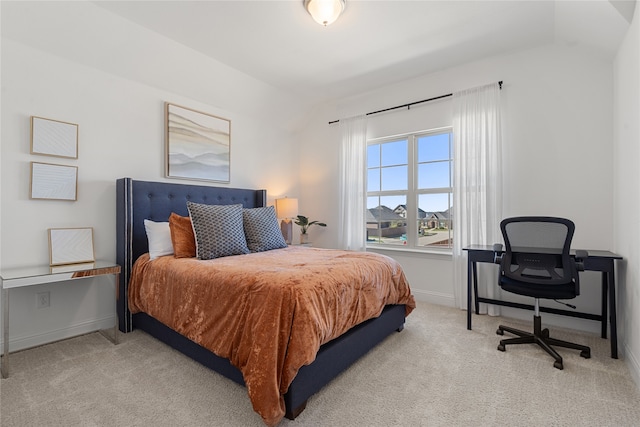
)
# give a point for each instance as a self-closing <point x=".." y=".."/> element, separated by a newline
<point x="469" y="268"/>
<point x="5" y="324"/>
<point x="115" y="323"/>
<point x="114" y="339"/>
<point x="605" y="295"/>
<point x="475" y="287"/>
<point x="612" y="309"/>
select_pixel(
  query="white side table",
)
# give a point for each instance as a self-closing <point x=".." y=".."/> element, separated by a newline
<point x="38" y="275"/>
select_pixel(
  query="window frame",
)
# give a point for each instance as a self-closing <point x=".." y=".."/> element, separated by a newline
<point x="412" y="193"/>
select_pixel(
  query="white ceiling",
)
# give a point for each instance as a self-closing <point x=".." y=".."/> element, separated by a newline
<point x="374" y="43"/>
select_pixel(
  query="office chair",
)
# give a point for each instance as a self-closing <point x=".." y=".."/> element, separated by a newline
<point x="536" y="263"/>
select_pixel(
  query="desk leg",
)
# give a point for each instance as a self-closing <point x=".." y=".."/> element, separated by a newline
<point x="476" y="304"/>
<point x="612" y="309"/>
<point x="4" y="369"/>
<point x="469" y="278"/>
<point x="605" y="296"/>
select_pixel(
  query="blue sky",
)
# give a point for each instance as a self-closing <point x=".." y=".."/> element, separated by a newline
<point x="388" y="171"/>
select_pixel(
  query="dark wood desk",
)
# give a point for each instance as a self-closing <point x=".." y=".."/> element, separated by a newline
<point x="602" y="261"/>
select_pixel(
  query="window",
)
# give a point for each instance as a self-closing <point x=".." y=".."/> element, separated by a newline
<point x="410" y="190"/>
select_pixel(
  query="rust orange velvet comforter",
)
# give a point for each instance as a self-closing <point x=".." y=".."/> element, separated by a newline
<point x="268" y="312"/>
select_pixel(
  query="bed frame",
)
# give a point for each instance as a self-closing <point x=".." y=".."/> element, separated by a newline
<point x="140" y="200"/>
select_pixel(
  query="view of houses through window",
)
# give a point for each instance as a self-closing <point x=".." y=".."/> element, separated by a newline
<point x="409" y="190"/>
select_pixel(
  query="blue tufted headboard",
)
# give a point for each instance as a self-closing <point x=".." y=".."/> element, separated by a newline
<point x="140" y="200"/>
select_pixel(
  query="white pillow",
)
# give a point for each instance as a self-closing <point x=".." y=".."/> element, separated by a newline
<point x="159" y="237"/>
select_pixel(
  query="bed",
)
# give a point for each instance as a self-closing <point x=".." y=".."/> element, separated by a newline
<point x="156" y="201"/>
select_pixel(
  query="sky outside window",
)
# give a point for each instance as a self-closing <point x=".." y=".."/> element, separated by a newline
<point x="388" y="170"/>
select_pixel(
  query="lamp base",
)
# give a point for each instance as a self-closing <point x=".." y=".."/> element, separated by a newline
<point x="286" y="227"/>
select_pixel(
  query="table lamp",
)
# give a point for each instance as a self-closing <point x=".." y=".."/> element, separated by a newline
<point x="286" y="209"/>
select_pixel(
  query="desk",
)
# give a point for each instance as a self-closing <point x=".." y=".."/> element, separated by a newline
<point x="38" y="275"/>
<point x="602" y="261"/>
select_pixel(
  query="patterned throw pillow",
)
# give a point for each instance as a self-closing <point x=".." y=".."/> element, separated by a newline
<point x="182" y="238"/>
<point x="218" y="230"/>
<point x="261" y="229"/>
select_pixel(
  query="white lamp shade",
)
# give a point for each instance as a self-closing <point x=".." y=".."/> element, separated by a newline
<point x="324" y="12"/>
<point x="286" y="207"/>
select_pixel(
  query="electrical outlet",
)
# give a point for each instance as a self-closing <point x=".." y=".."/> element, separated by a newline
<point x="42" y="299"/>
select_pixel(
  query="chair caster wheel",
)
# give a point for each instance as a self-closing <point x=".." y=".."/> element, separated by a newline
<point x="586" y="354"/>
<point x="558" y="365"/>
<point x="545" y="333"/>
<point x="500" y="332"/>
<point x="501" y="347"/>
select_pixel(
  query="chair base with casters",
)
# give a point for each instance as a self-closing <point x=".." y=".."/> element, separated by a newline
<point x="541" y="337"/>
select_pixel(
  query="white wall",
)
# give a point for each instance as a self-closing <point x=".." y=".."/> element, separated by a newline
<point x="115" y="91"/>
<point x="627" y="190"/>
<point x="557" y="152"/>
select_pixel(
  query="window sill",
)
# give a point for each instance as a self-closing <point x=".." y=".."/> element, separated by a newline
<point x="444" y="253"/>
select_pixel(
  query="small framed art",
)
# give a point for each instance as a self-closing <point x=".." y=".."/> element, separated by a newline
<point x="197" y="144"/>
<point x="70" y="246"/>
<point x="56" y="182"/>
<point x="54" y="138"/>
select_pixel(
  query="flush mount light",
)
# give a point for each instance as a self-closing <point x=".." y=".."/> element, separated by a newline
<point x="324" y="12"/>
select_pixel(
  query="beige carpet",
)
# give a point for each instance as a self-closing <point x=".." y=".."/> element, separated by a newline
<point x="434" y="373"/>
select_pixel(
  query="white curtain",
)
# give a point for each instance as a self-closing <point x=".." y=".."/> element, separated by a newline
<point x="477" y="207"/>
<point x="353" y="158"/>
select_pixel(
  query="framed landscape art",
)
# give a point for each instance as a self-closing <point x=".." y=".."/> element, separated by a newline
<point x="197" y="144"/>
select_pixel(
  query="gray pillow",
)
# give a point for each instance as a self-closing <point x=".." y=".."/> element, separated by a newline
<point x="218" y="230"/>
<point x="261" y="229"/>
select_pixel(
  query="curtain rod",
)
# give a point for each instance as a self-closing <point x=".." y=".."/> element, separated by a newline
<point x="408" y="106"/>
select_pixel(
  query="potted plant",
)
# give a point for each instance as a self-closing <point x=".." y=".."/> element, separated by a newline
<point x="304" y="224"/>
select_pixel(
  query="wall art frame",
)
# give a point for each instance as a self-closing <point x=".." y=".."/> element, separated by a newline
<point x="198" y="145"/>
<point x="54" y="138"/>
<point x="54" y="182"/>
<point x="71" y="246"/>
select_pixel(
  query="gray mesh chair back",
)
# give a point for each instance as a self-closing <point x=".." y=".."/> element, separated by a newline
<point x="537" y="253"/>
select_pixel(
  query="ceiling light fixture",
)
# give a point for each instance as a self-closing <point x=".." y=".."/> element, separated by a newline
<point x="324" y="12"/>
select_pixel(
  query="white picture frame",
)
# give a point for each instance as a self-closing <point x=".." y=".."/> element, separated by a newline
<point x="70" y="246"/>
<point x="53" y="182"/>
<point x="54" y="138"/>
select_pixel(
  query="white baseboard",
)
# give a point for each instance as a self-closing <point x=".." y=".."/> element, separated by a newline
<point x="35" y="340"/>
<point x="438" y="298"/>
<point x="632" y="363"/>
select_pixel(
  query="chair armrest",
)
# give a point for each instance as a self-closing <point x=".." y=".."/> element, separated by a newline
<point x="581" y="255"/>
<point x="497" y="253"/>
